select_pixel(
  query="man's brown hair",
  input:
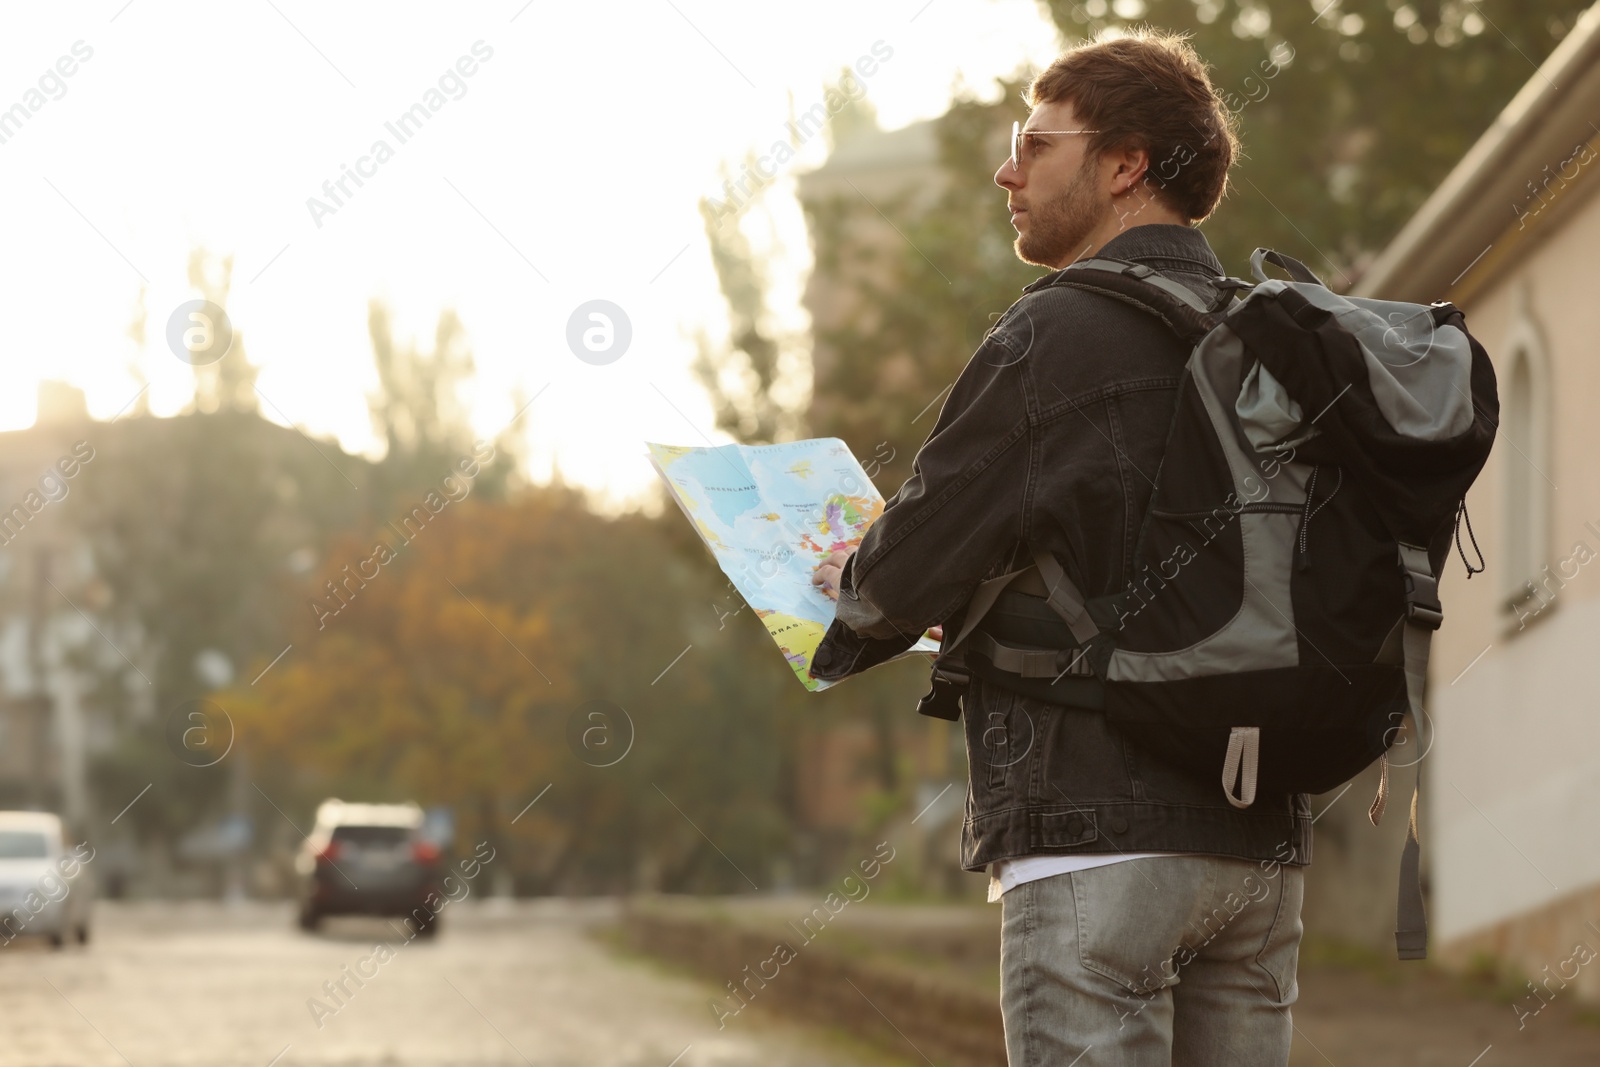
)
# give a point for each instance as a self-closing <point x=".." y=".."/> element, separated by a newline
<point x="1149" y="90"/>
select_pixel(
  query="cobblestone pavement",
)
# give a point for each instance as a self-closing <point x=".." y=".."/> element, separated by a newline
<point x="162" y="985"/>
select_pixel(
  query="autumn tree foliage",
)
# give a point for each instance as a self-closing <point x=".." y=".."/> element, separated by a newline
<point x="465" y="671"/>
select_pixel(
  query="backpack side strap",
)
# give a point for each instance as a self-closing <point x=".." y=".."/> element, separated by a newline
<point x="1423" y="616"/>
<point x="1411" y="919"/>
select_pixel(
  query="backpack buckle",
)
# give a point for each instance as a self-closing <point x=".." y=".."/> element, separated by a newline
<point x="943" y="698"/>
<point x="1422" y="589"/>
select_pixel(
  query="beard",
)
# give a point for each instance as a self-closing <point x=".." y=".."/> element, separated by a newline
<point x="1058" y="230"/>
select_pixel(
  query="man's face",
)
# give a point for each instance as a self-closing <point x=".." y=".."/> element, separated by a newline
<point x="1055" y="192"/>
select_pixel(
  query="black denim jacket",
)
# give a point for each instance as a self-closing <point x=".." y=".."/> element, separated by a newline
<point x="1051" y="436"/>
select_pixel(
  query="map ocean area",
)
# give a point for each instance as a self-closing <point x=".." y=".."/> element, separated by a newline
<point x="770" y="514"/>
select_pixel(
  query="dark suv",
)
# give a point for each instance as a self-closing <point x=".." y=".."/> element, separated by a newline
<point x="368" y="859"/>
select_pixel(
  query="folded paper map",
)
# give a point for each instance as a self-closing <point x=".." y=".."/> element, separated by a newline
<point x="770" y="514"/>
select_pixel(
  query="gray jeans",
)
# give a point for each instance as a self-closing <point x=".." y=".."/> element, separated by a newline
<point x="1181" y="960"/>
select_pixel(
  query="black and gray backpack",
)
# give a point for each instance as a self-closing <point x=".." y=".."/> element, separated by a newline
<point x="1276" y="623"/>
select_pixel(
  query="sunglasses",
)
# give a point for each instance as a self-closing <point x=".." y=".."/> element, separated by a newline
<point x="1017" y="133"/>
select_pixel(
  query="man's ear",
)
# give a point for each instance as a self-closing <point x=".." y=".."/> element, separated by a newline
<point x="1133" y="163"/>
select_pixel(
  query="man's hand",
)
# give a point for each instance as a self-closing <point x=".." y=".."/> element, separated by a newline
<point x="827" y="572"/>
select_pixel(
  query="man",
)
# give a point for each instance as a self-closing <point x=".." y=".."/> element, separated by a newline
<point x="1144" y="919"/>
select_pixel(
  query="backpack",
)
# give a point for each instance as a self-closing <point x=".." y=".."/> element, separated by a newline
<point x="1283" y="591"/>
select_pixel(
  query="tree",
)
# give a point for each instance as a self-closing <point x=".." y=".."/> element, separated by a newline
<point x="420" y="414"/>
<point x="229" y="384"/>
<point x="757" y="380"/>
<point x="753" y="379"/>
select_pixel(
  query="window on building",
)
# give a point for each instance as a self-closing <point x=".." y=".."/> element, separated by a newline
<point x="1532" y="586"/>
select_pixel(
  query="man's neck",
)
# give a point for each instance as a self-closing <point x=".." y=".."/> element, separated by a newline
<point x="1125" y="216"/>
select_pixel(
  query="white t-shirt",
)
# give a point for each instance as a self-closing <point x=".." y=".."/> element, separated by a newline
<point x="1005" y="875"/>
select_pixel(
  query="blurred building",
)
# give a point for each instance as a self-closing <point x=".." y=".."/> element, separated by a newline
<point x="1511" y="788"/>
<point x="46" y="586"/>
<point x="875" y="170"/>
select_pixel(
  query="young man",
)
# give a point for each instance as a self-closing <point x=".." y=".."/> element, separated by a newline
<point x="1144" y="919"/>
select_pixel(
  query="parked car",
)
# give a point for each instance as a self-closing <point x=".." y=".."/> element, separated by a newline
<point x="44" y="890"/>
<point x="368" y="859"/>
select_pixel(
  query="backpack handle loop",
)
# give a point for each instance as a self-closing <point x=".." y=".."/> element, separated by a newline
<point x="1297" y="270"/>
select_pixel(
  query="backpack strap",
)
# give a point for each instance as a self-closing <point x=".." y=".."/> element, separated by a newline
<point x="1297" y="270"/>
<point x="1423" y="616"/>
<point x="950" y="672"/>
<point x="1146" y="289"/>
<point x="981" y="601"/>
<point x="1411" y="919"/>
<point x="1064" y="598"/>
<point x="1241" y="765"/>
<point x="1145" y="274"/>
<point x="1032" y="662"/>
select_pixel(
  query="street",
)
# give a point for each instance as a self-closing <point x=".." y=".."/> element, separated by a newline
<point x="504" y="983"/>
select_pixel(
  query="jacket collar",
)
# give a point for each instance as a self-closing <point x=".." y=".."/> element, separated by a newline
<point x="1160" y="245"/>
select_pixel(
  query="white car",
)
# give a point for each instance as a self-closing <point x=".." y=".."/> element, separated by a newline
<point x="44" y="890"/>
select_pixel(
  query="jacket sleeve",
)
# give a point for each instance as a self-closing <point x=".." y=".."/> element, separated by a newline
<point x="959" y="514"/>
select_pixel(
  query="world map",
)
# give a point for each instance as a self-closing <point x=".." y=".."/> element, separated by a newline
<point x="770" y="514"/>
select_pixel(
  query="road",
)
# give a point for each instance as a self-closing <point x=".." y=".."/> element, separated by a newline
<point x="163" y="985"/>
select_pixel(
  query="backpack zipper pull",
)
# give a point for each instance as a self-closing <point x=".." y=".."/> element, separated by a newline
<point x="1303" y="559"/>
<point x="1461" y="513"/>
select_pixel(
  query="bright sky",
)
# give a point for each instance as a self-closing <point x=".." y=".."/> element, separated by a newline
<point x="566" y="168"/>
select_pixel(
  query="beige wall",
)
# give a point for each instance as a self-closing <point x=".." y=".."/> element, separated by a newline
<point x="1514" y="778"/>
